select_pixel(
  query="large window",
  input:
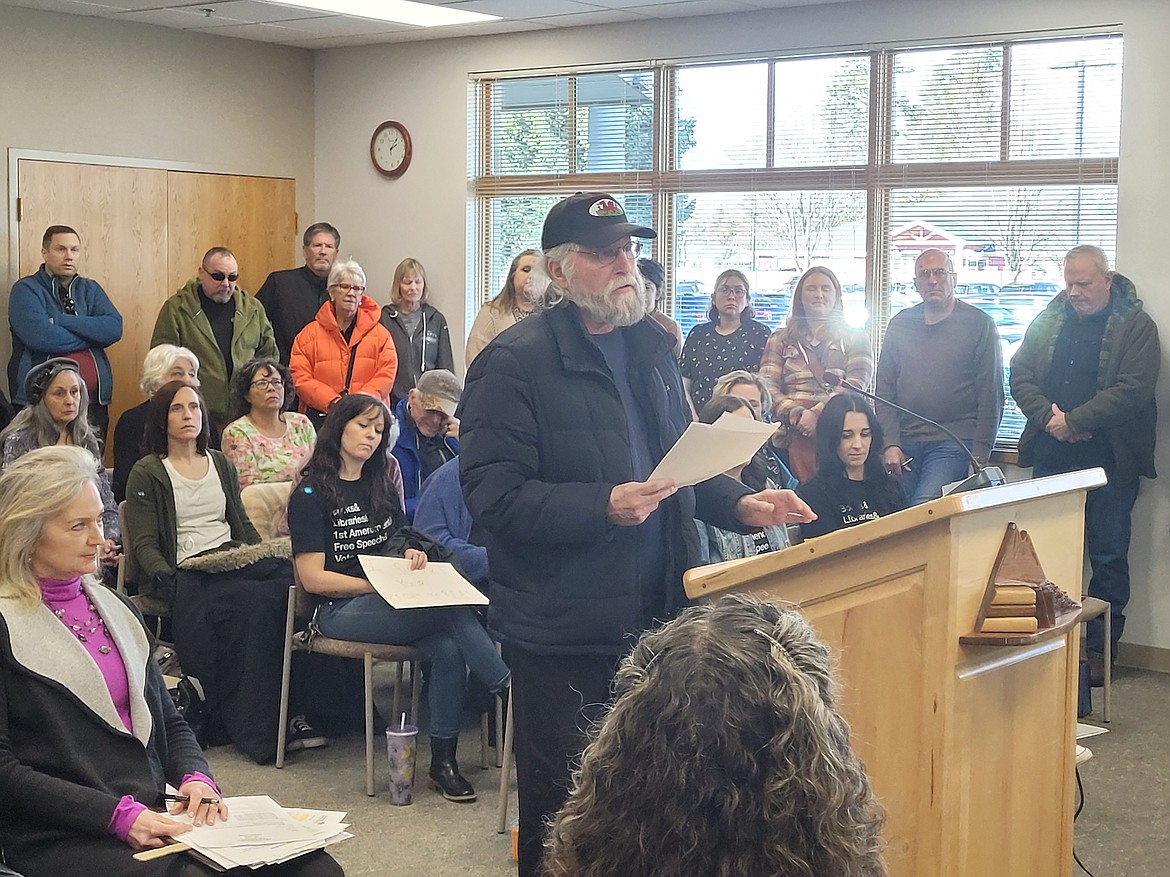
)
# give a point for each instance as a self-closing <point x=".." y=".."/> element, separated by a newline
<point x="1003" y="155"/>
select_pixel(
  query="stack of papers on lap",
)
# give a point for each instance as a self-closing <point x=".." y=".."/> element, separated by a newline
<point x="260" y="832"/>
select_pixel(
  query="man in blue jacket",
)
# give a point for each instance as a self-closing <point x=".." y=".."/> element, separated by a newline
<point x="428" y="433"/>
<point x="57" y="312"/>
<point x="564" y="417"/>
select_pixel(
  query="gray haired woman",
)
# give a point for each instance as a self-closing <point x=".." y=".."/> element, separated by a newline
<point x="163" y="363"/>
<point x="56" y="415"/>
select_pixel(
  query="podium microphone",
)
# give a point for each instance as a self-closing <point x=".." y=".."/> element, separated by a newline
<point x="985" y="476"/>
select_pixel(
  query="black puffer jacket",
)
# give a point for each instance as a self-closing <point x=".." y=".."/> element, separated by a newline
<point x="544" y="439"/>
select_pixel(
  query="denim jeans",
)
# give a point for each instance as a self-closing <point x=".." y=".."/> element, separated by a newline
<point x="1108" y="524"/>
<point x="450" y="637"/>
<point x="934" y="464"/>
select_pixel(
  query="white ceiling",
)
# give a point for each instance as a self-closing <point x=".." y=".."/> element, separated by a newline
<point x="290" y="26"/>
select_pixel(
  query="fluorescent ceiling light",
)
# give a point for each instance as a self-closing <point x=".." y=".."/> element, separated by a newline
<point x="397" y="11"/>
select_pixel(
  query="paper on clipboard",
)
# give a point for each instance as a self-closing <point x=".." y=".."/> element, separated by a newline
<point x="436" y="584"/>
<point x="706" y="449"/>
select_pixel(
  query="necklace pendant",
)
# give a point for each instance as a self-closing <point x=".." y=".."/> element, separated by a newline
<point x="60" y="613"/>
<point x="105" y="650"/>
<point x="81" y="636"/>
<point x="75" y="627"/>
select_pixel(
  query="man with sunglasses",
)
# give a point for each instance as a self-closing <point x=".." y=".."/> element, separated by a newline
<point x="57" y="312"/>
<point x="940" y="359"/>
<point x="563" y="419"/>
<point x="221" y="324"/>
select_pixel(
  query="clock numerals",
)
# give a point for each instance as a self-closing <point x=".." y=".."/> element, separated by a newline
<point x="390" y="150"/>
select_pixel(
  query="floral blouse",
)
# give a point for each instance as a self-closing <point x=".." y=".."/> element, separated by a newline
<point x="263" y="460"/>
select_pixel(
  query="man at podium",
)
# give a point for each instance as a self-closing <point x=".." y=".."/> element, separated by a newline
<point x="1084" y="376"/>
<point x="564" y="417"/>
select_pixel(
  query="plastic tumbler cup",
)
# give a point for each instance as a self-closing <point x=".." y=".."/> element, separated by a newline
<point x="401" y="746"/>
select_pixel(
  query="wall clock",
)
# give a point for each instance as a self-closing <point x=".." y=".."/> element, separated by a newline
<point x="390" y="149"/>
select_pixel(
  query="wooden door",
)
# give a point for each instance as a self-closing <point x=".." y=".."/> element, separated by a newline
<point x="120" y="213"/>
<point x="143" y="232"/>
<point x="254" y="217"/>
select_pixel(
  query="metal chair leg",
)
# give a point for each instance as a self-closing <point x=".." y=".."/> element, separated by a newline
<point x="506" y="765"/>
<point x="282" y="731"/>
<point x="1108" y="661"/>
<point x="368" y="661"/>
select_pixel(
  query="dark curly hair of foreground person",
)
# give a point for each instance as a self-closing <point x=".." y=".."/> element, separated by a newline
<point x="723" y="754"/>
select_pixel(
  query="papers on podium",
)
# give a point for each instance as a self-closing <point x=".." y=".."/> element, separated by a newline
<point x="260" y="832"/>
<point x="436" y="584"/>
<point x="707" y="449"/>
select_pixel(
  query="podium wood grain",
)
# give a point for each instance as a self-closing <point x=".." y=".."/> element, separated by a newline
<point x="969" y="748"/>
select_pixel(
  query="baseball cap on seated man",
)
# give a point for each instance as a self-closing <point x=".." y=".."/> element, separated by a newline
<point x="593" y="219"/>
<point x="439" y="390"/>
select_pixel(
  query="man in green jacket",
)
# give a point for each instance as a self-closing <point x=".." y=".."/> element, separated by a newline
<point x="221" y="324"/>
<point x="1084" y="376"/>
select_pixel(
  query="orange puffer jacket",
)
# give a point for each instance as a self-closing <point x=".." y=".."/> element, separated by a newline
<point x="320" y="357"/>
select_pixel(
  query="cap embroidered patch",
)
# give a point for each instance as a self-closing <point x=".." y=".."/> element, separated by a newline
<point x="606" y="207"/>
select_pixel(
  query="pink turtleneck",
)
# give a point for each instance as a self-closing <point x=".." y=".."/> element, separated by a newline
<point x="70" y="604"/>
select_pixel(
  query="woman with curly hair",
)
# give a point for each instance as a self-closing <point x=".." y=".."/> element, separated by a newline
<point x="723" y="753"/>
<point x="814" y="342"/>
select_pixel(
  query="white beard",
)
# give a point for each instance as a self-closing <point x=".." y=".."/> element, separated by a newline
<point x="603" y="308"/>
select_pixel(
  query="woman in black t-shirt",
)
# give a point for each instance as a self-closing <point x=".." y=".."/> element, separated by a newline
<point x="346" y="505"/>
<point x="851" y="485"/>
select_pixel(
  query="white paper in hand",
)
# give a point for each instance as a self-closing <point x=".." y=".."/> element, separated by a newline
<point x="436" y="584"/>
<point x="706" y="449"/>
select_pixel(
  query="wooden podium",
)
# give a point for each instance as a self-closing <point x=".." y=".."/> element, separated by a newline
<point x="970" y="748"/>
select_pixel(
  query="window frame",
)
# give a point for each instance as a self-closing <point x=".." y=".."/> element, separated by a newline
<point x="878" y="177"/>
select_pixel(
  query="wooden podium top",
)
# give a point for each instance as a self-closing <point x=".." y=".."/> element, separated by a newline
<point x="705" y="581"/>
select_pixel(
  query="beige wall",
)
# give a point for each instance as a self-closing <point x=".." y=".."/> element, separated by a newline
<point x="96" y="87"/>
<point x="425" y="213"/>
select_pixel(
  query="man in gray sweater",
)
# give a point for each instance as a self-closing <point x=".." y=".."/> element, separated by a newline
<point x="942" y="360"/>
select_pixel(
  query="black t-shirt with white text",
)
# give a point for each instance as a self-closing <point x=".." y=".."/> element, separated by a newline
<point x="840" y="502"/>
<point x="341" y="534"/>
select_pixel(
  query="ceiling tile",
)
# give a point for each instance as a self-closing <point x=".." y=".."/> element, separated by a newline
<point x="519" y="9"/>
<point x="150" y="5"/>
<point x="690" y="8"/>
<point x="265" y="33"/>
<point x="73" y="7"/>
<point x="175" y="17"/>
<point x="345" y="26"/>
<point x="252" y="10"/>
<point x="599" y="16"/>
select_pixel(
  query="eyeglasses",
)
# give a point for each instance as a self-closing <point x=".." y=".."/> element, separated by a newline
<point x="733" y="291"/>
<point x="268" y="384"/>
<point x="609" y="255"/>
<point x="220" y="277"/>
<point x="933" y="274"/>
<point x="348" y="287"/>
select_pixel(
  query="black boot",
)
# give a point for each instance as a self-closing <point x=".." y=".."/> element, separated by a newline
<point x="445" y="776"/>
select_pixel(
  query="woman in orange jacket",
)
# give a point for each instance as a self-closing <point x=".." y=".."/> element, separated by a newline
<point x="345" y="349"/>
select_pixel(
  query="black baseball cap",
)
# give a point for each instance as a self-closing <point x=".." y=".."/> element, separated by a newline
<point x="594" y="219"/>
